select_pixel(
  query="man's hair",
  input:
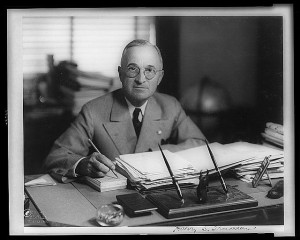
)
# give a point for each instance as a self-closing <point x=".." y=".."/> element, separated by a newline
<point x="141" y="42"/>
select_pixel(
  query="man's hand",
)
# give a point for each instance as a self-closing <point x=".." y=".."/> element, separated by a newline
<point x="96" y="165"/>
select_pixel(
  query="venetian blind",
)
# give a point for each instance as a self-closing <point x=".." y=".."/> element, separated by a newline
<point x="94" y="43"/>
<point x="43" y="36"/>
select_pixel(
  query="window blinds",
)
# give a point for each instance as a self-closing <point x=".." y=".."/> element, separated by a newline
<point x="42" y="36"/>
<point x="94" y="43"/>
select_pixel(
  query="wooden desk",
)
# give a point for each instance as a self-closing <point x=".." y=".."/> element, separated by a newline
<point x="75" y="204"/>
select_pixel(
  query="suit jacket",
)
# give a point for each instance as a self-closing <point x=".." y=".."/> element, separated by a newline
<point x="107" y="121"/>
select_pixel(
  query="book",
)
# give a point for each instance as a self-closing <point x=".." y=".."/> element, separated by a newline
<point x="108" y="183"/>
<point x="275" y="126"/>
<point x="273" y="135"/>
<point x="272" y="139"/>
<point x="135" y="205"/>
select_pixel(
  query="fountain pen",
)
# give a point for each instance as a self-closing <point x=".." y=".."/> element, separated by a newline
<point x="175" y="183"/>
<point x="216" y="168"/>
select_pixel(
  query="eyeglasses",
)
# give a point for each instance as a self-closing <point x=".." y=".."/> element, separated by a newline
<point x="133" y="71"/>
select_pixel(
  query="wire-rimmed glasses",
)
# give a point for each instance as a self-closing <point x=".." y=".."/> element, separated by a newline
<point x="132" y="71"/>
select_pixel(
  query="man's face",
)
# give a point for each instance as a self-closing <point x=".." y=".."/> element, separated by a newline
<point x="138" y="89"/>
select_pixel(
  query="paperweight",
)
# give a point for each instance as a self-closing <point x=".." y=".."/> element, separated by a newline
<point x="170" y="206"/>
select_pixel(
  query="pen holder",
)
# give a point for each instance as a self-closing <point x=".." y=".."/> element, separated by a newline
<point x="110" y="215"/>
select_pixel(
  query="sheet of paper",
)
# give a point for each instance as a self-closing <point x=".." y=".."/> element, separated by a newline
<point x="228" y="154"/>
<point x="44" y="180"/>
<point x="201" y="160"/>
<point x="152" y="163"/>
<point x="250" y="149"/>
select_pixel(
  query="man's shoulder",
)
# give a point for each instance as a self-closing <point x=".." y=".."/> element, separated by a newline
<point x="163" y="98"/>
<point x="169" y="105"/>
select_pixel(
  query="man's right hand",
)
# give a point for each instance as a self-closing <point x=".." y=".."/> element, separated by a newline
<point x="96" y="165"/>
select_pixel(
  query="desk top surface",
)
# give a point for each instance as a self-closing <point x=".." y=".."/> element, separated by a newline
<point x="75" y="203"/>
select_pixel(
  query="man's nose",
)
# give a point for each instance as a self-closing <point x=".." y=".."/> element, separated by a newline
<point x="140" y="78"/>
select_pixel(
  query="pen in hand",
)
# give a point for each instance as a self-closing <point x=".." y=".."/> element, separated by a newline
<point x="172" y="176"/>
<point x="90" y="141"/>
<point x="217" y="169"/>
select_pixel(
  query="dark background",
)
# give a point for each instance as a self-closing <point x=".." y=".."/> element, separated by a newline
<point x="242" y="54"/>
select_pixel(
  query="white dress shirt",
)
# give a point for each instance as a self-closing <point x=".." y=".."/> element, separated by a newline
<point x="131" y="107"/>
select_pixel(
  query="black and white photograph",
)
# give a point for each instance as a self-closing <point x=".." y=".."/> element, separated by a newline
<point x="151" y="121"/>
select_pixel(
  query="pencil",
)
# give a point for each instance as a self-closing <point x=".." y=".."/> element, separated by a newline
<point x="175" y="183"/>
<point x="90" y="141"/>
<point x="216" y="167"/>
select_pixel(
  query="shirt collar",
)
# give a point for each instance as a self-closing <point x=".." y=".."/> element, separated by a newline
<point x="131" y="107"/>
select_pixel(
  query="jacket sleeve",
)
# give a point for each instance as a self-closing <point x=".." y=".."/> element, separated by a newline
<point x="70" y="147"/>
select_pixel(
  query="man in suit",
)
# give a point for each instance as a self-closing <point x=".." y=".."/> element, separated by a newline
<point x="132" y="119"/>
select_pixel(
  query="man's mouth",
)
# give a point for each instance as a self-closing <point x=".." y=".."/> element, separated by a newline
<point x="139" y="87"/>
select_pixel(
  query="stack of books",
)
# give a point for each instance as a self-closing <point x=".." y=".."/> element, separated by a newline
<point x="273" y="135"/>
<point x="86" y="85"/>
<point x="93" y="85"/>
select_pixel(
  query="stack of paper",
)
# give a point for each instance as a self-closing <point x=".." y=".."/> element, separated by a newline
<point x="107" y="183"/>
<point x="273" y="134"/>
<point x="226" y="156"/>
<point x="248" y="168"/>
<point x="148" y="170"/>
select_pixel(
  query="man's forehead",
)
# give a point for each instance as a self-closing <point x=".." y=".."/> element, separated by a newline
<point x="145" y="53"/>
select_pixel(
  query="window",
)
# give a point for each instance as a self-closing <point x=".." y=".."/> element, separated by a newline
<point x="94" y="43"/>
<point x="43" y="36"/>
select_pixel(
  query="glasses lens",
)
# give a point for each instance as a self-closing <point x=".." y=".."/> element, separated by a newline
<point x="150" y="73"/>
<point x="132" y="71"/>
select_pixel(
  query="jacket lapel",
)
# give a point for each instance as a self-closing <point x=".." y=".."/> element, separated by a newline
<point x="152" y="128"/>
<point x="120" y="127"/>
<point x="121" y="130"/>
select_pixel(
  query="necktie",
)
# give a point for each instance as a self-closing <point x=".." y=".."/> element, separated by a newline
<point x="137" y="120"/>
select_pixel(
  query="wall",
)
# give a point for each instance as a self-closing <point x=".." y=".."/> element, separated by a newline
<point x="167" y="39"/>
<point x="242" y="54"/>
<point x="222" y="48"/>
<point x="270" y="69"/>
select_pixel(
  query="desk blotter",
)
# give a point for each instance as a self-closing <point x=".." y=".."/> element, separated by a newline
<point x="169" y="204"/>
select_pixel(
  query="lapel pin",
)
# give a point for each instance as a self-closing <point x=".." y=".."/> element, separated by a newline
<point x="159" y="132"/>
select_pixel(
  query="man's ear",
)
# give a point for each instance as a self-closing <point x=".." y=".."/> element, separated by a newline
<point x="120" y="72"/>
<point x="160" y="77"/>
